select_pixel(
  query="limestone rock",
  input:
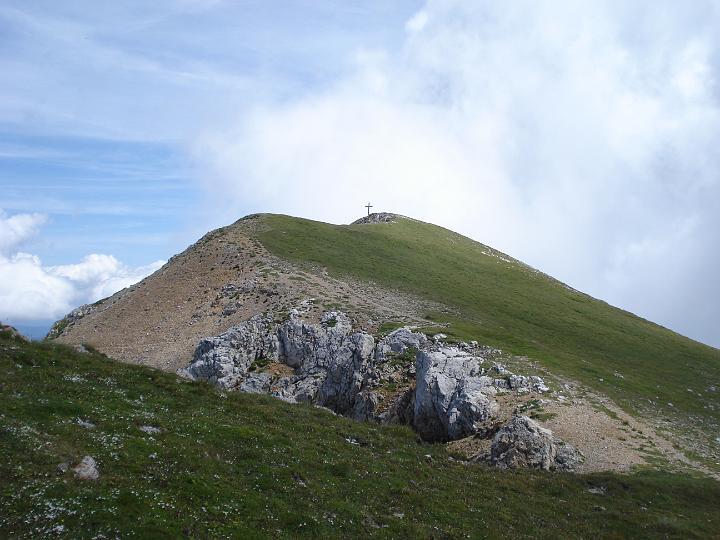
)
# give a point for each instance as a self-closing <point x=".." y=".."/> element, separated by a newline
<point x="442" y="391"/>
<point x="398" y="342"/>
<point x="87" y="469"/>
<point x="377" y="217"/>
<point x="70" y="319"/>
<point x="523" y="443"/>
<point x="330" y="361"/>
<point x="225" y="360"/>
<point x="450" y="396"/>
<point x="256" y="383"/>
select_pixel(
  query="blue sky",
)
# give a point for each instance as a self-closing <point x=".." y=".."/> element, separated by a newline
<point x="132" y="199"/>
<point x="577" y="136"/>
<point x="100" y="102"/>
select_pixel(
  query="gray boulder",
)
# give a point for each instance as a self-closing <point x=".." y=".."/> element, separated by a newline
<point x="224" y="360"/>
<point x="450" y="395"/>
<point x="522" y="443"/>
<point x="398" y="342"/>
<point x="87" y="469"/>
<point x="336" y="359"/>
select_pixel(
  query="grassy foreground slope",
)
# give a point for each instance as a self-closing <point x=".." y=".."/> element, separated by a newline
<point x="502" y="302"/>
<point x="249" y="466"/>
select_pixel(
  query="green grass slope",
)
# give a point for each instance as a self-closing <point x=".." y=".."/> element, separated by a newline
<point x="504" y="303"/>
<point x="249" y="466"/>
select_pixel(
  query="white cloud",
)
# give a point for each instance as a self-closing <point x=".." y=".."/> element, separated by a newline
<point x="417" y="22"/>
<point x="14" y="230"/>
<point x="29" y="290"/>
<point x="99" y="276"/>
<point x="578" y="136"/>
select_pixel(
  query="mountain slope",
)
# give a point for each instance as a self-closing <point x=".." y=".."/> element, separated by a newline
<point x="178" y="459"/>
<point x="500" y="301"/>
<point x="410" y="272"/>
<point x="221" y="280"/>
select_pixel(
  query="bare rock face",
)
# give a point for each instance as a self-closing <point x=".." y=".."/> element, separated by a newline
<point x="70" y="319"/>
<point x="329" y="353"/>
<point x="442" y="391"/>
<point x="225" y="360"/>
<point x="329" y="362"/>
<point x="451" y="396"/>
<point x="523" y="443"/>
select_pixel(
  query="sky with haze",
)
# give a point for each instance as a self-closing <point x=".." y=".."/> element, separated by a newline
<point x="578" y="136"/>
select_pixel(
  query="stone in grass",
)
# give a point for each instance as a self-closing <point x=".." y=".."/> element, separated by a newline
<point x="523" y="443"/>
<point x="87" y="469"/>
<point x="151" y="430"/>
<point x="87" y="424"/>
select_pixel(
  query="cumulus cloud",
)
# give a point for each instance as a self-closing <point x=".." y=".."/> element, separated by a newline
<point x="578" y="136"/>
<point x="29" y="290"/>
<point x="14" y="230"/>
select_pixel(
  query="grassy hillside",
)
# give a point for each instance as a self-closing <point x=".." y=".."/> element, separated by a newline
<point x="502" y="302"/>
<point x="248" y="466"/>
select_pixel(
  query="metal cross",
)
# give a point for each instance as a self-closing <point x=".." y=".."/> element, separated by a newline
<point x="368" y="206"/>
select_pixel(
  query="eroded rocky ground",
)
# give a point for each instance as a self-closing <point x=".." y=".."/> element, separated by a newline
<point x="223" y="279"/>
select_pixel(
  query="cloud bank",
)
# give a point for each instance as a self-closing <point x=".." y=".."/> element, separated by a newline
<point x="578" y="136"/>
<point x="31" y="291"/>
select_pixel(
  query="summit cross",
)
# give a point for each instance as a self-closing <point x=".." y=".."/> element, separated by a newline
<point x="368" y="206"/>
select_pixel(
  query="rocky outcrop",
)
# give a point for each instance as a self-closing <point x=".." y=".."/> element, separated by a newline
<point x="523" y="443"/>
<point x="452" y="396"/>
<point x="225" y="360"/>
<point x="377" y="217"/>
<point x="398" y="342"/>
<point x="443" y="391"/>
<point x="331" y="363"/>
<point x="70" y="319"/>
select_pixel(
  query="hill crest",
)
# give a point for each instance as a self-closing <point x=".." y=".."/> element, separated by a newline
<point x="408" y="272"/>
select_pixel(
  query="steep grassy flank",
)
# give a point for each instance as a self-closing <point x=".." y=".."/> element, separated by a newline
<point x="505" y="303"/>
<point x="248" y="466"/>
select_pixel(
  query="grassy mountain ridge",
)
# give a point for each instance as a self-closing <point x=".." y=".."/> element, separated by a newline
<point x="250" y="466"/>
<point x="500" y="301"/>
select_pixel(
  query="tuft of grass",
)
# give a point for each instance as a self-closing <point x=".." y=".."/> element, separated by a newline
<point x="331" y="323"/>
<point x="389" y="326"/>
<point x="259" y="364"/>
<point x="504" y="303"/>
<point x="405" y="358"/>
<point x="251" y="466"/>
